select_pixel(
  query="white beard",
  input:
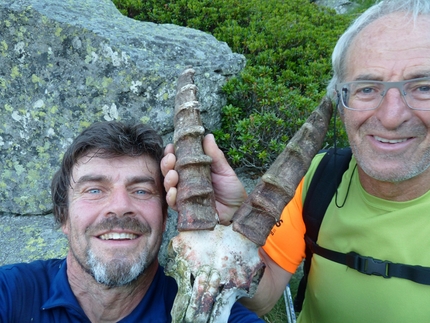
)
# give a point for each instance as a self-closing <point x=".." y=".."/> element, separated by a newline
<point x="117" y="272"/>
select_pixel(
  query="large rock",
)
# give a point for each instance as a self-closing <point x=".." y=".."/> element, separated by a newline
<point x="341" y="6"/>
<point x="65" y="64"/>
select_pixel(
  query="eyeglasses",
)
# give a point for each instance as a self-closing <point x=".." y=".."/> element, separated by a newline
<point x="368" y="95"/>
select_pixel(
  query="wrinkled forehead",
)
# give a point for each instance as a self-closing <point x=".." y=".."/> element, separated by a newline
<point x="394" y="46"/>
<point x="105" y="164"/>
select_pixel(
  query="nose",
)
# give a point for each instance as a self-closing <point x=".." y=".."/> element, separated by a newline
<point x="393" y="110"/>
<point x="120" y="203"/>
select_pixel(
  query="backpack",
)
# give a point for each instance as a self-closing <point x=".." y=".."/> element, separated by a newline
<point x="322" y="188"/>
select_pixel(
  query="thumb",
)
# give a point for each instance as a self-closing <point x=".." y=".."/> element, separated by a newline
<point x="219" y="164"/>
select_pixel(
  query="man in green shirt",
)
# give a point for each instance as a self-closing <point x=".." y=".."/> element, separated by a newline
<point x="381" y="82"/>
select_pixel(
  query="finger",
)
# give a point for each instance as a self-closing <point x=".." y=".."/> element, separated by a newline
<point x="229" y="191"/>
<point x="167" y="163"/>
<point x="171" y="197"/>
<point x="219" y="164"/>
<point x="170" y="182"/>
<point x="169" y="149"/>
<point x="171" y="179"/>
<point x="222" y="172"/>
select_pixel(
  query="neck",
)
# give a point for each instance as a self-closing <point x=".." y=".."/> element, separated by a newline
<point x="396" y="191"/>
<point x="105" y="304"/>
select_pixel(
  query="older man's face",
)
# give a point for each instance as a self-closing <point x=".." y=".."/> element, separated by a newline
<point x="115" y="222"/>
<point x="391" y="143"/>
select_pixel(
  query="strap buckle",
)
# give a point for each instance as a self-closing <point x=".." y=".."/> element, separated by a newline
<point x="368" y="265"/>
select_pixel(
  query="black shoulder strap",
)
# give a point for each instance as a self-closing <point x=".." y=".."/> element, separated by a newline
<point x="324" y="183"/>
<point x="372" y="266"/>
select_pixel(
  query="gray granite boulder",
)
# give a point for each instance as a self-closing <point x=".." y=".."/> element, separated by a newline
<point x="341" y="6"/>
<point x="66" y="64"/>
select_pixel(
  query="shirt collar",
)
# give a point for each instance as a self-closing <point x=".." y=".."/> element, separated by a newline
<point x="60" y="292"/>
<point x="157" y="301"/>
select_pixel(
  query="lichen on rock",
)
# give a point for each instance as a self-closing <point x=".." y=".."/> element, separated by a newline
<point x="66" y="64"/>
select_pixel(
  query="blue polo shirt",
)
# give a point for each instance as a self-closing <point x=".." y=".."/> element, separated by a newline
<point x="40" y="292"/>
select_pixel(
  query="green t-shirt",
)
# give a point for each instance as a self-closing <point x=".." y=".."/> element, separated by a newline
<point x="394" y="231"/>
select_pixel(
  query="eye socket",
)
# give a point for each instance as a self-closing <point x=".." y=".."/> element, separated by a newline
<point x="94" y="191"/>
<point x="365" y="90"/>
<point x="143" y="194"/>
<point x="419" y="89"/>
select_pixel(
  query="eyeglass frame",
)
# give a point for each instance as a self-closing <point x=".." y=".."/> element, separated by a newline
<point x="387" y="86"/>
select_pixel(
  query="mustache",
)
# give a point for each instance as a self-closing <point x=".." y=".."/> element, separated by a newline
<point x="412" y="128"/>
<point x="123" y="223"/>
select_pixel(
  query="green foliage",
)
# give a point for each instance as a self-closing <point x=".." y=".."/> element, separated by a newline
<point x="288" y="47"/>
<point x="362" y="5"/>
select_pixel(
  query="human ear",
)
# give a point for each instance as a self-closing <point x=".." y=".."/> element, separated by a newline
<point x="65" y="227"/>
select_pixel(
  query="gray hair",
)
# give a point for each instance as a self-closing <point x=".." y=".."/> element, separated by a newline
<point x="414" y="8"/>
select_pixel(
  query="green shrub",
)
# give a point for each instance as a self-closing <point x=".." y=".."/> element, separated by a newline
<point x="288" y="47"/>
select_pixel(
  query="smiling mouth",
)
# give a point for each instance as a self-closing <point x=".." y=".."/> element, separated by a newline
<point x="118" y="236"/>
<point x="389" y="141"/>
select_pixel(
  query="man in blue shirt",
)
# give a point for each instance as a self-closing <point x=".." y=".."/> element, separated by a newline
<point x="109" y="200"/>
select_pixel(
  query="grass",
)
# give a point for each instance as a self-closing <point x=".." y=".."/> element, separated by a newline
<point x="277" y="314"/>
